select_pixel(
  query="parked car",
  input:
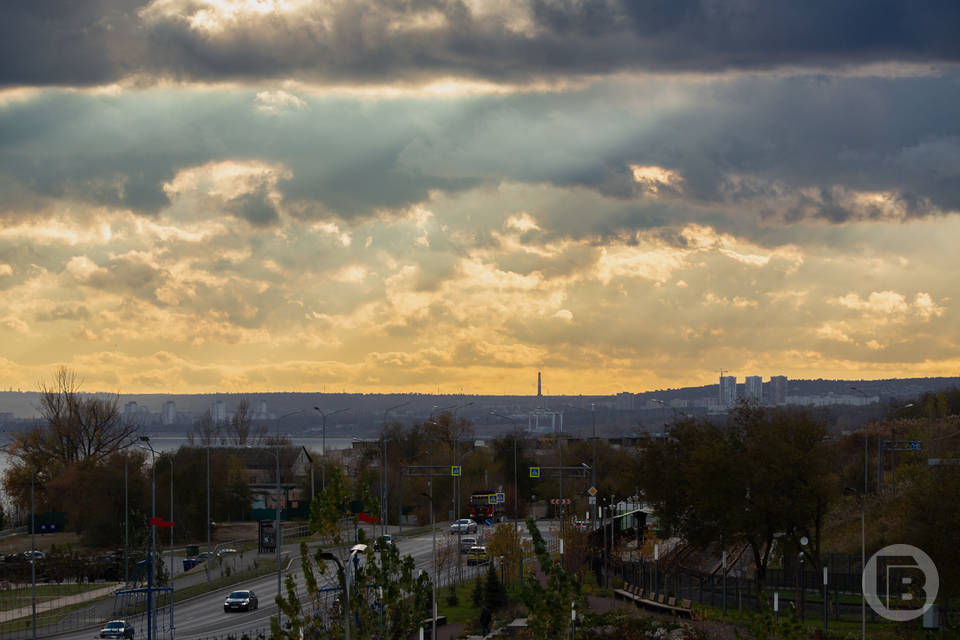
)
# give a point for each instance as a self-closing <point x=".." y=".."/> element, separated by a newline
<point x="117" y="629"/>
<point x="36" y="555"/>
<point x="240" y="601"/>
<point x="467" y="542"/>
<point x="223" y="552"/>
<point x="463" y="525"/>
<point x="477" y="555"/>
<point x="383" y="542"/>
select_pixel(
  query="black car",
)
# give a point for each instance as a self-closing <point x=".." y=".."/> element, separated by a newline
<point x="240" y="601"/>
<point x="117" y="629"/>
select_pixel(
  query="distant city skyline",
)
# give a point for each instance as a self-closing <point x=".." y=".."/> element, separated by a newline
<point x="260" y="196"/>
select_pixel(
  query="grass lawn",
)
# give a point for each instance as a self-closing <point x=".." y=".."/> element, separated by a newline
<point x="22" y="597"/>
<point x="464" y="611"/>
<point x="847" y="625"/>
<point x="264" y="567"/>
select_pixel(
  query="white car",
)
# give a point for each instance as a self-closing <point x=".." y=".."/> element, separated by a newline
<point x="463" y="525"/>
<point x="383" y="542"/>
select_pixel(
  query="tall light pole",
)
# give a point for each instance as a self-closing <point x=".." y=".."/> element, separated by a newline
<point x="863" y="528"/>
<point x="354" y="550"/>
<point x="207" y="562"/>
<point x="323" y="442"/>
<point x="33" y="554"/>
<point x="383" y="470"/>
<point x="593" y="465"/>
<point x="277" y="531"/>
<point x="33" y="558"/>
<point x="516" y="483"/>
<point x="172" y="626"/>
<point x="152" y="536"/>
<point x="433" y="528"/>
<point x="456" y="452"/>
<point x="126" y="518"/>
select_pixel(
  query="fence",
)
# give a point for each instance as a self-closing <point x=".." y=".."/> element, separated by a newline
<point x="799" y="591"/>
<point x="49" y="624"/>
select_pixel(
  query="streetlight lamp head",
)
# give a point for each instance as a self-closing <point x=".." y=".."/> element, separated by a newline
<point x="358" y="548"/>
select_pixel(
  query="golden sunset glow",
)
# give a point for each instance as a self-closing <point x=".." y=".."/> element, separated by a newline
<point x="258" y="195"/>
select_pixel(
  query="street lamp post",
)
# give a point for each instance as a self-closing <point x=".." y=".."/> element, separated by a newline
<point x="863" y="528"/>
<point x="516" y="483"/>
<point x="326" y="555"/>
<point x="151" y="538"/>
<point x="433" y="614"/>
<point x="323" y="442"/>
<point x="33" y="559"/>
<point x="593" y="465"/>
<point x="277" y="531"/>
<point x="383" y="470"/>
<point x="33" y="555"/>
<point x="207" y="562"/>
<point x="172" y="626"/>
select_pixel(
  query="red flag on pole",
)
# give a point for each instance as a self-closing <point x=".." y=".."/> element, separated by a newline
<point x="366" y="517"/>
<point x="160" y="522"/>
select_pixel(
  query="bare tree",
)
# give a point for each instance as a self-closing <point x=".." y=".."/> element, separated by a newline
<point x="205" y="431"/>
<point x="241" y="430"/>
<point x="74" y="428"/>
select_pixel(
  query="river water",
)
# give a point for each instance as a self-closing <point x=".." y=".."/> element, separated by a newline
<point x="172" y="442"/>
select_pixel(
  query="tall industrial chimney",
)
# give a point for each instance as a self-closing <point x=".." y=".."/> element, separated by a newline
<point x="539" y="388"/>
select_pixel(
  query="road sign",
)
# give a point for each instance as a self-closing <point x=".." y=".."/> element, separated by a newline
<point x="491" y="498"/>
<point x="560" y="501"/>
<point x="534" y="472"/>
<point x="903" y="445"/>
<point x="592" y="491"/>
<point x="592" y="499"/>
<point x="501" y="498"/>
<point x="936" y="462"/>
<point x="488" y="522"/>
<point x="455" y="471"/>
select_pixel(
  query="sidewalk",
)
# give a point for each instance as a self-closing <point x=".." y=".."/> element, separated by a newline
<point x="237" y="563"/>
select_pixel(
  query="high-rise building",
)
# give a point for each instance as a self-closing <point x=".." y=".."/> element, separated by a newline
<point x="778" y="390"/>
<point x="219" y="412"/>
<point x="169" y="414"/>
<point x="728" y="391"/>
<point x="753" y="389"/>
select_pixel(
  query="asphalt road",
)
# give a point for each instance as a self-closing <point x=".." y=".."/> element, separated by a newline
<point x="204" y="616"/>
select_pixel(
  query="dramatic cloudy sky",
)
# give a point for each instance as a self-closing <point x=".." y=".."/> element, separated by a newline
<point x="263" y="195"/>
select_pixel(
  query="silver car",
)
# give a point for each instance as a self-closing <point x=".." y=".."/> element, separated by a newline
<point x="463" y="525"/>
<point x="117" y="629"/>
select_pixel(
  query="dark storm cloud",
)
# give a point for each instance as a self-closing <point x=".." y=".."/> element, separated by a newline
<point x="788" y="148"/>
<point x="44" y="42"/>
<point x="360" y="41"/>
<point x="256" y="208"/>
<point x="120" y="151"/>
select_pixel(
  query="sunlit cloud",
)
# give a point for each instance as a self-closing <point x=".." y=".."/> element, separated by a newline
<point x="377" y="196"/>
